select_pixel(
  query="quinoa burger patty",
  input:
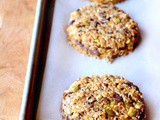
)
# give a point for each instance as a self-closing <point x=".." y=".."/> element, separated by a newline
<point x="102" y="32"/>
<point x="104" y="97"/>
<point x="107" y="1"/>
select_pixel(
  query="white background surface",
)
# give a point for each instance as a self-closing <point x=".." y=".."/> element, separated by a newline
<point x="65" y="65"/>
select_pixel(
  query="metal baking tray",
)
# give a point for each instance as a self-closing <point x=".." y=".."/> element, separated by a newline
<point x="37" y="59"/>
<point x="54" y="65"/>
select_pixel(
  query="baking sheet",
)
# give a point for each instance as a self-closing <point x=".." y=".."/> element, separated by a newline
<point x="65" y="65"/>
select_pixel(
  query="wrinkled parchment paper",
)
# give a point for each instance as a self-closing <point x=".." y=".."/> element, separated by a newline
<point x="65" y="65"/>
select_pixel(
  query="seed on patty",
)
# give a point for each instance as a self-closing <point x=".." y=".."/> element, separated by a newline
<point x="110" y="112"/>
<point x="132" y="112"/>
<point x="101" y="98"/>
<point x="75" y="87"/>
<point x="138" y="105"/>
<point x="103" y="32"/>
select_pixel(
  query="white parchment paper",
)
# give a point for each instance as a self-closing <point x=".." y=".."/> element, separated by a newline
<point x="65" y="65"/>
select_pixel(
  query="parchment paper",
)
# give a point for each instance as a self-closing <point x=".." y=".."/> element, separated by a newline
<point x="65" y="64"/>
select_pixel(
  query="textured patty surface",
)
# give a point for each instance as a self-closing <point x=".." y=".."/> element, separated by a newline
<point x="102" y="32"/>
<point x="103" y="98"/>
<point x="107" y="1"/>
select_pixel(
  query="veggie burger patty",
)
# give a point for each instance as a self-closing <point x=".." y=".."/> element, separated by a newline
<point x="103" y="97"/>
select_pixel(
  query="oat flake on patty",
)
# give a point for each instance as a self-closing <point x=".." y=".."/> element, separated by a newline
<point x="102" y="32"/>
